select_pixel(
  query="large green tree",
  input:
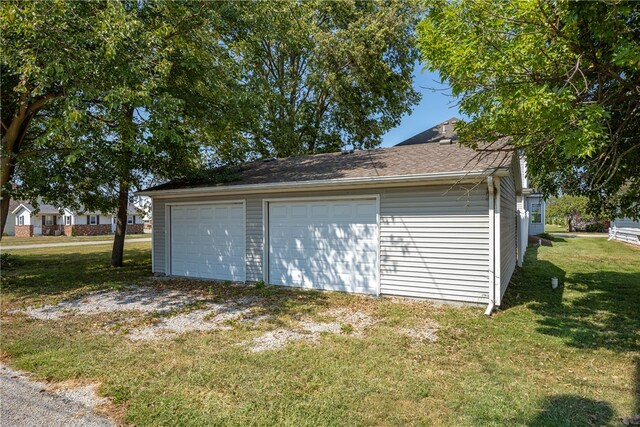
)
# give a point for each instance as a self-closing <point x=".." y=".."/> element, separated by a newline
<point x="561" y="78"/>
<point x="570" y="209"/>
<point x="326" y="74"/>
<point x="51" y="55"/>
<point x="162" y="78"/>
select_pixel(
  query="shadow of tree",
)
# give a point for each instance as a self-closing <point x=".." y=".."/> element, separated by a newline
<point x="38" y="274"/>
<point x="570" y="410"/>
<point x="588" y="309"/>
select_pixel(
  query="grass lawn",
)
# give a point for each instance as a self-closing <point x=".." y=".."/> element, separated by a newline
<point x="35" y="240"/>
<point x="552" y="228"/>
<point x="564" y="357"/>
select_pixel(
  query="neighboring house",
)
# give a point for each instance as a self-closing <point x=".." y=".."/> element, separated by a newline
<point x="143" y="204"/>
<point x="444" y="132"/>
<point x="534" y="203"/>
<point x="421" y="220"/>
<point x="53" y="221"/>
<point x="625" y="230"/>
<point x="47" y="221"/>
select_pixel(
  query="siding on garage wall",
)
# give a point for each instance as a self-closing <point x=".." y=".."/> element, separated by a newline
<point x="434" y="239"/>
<point x="158" y="235"/>
<point x="434" y="243"/>
<point x="508" y="236"/>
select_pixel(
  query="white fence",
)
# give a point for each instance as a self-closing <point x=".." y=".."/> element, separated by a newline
<point x="628" y="235"/>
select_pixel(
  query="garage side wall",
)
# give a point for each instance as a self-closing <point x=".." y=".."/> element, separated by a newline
<point x="434" y="240"/>
<point x="435" y="243"/>
<point x="508" y="232"/>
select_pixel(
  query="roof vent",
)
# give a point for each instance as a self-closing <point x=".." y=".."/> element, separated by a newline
<point x="445" y="141"/>
<point x="347" y="152"/>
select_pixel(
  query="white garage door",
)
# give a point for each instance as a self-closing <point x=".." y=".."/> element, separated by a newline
<point x="324" y="245"/>
<point x="208" y="241"/>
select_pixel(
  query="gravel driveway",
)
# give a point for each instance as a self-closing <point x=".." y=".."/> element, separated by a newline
<point x="24" y="402"/>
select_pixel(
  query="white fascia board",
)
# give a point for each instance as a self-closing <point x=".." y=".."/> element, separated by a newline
<point x="329" y="184"/>
<point x="20" y="206"/>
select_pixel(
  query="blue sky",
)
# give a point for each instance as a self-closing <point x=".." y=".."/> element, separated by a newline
<point x="436" y="106"/>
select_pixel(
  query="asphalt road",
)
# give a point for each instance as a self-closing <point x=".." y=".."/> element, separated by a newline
<point x="27" y="403"/>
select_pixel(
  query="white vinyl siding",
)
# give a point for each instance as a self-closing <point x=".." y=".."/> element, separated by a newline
<point x="254" y="238"/>
<point x="434" y="243"/>
<point x="434" y="240"/>
<point x="508" y="236"/>
<point x="26" y="217"/>
<point x="536" y="227"/>
<point x="159" y="236"/>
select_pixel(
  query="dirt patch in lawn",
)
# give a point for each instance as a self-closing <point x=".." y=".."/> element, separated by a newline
<point x="170" y="312"/>
<point x="424" y="332"/>
<point x="344" y="321"/>
<point x="217" y="316"/>
<point x="135" y="298"/>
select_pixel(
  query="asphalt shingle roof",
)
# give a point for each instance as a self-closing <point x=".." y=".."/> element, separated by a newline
<point x="441" y="131"/>
<point x="414" y="159"/>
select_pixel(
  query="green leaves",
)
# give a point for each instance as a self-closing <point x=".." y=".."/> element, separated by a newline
<point x="561" y="78"/>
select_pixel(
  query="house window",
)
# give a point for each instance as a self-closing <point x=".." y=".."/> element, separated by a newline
<point x="130" y="219"/>
<point x="93" y="220"/>
<point x="67" y="220"/>
<point x="536" y="213"/>
<point x="20" y="220"/>
<point x="48" y="220"/>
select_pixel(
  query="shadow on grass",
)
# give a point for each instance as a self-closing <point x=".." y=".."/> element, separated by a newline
<point x="43" y="275"/>
<point x="54" y="273"/>
<point x="571" y="410"/>
<point x="588" y="309"/>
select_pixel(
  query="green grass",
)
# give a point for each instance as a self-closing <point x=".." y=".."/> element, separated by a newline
<point x="564" y="357"/>
<point x="552" y="228"/>
<point x="35" y="240"/>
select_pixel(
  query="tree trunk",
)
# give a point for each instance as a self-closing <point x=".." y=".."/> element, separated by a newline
<point x="12" y="138"/>
<point x="117" y="253"/>
<point x="11" y="142"/>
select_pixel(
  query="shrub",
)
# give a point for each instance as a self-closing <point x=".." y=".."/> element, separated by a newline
<point x="596" y="227"/>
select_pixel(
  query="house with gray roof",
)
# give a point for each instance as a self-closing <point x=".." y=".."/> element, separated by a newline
<point x="433" y="221"/>
<point x="49" y="220"/>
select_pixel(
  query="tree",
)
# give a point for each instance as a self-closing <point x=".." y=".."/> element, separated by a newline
<point x="51" y="56"/>
<point x="562" y="79"/>
<point x="326" y="74"/>
<point x="571" y="208"/>
<point x="167" y="71"/>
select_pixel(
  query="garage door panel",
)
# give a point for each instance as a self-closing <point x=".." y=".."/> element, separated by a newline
<point x="324" y="244"/>
<point x="208" y="241"/>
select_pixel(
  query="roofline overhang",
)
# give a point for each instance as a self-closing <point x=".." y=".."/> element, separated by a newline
<point x="21" y="206"/>
<point x="330" y="184"/>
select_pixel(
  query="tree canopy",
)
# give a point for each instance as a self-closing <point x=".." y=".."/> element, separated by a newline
<point x="99" y="96"/>
<point x="326" y="74"/>
<point x="562" y="79"/>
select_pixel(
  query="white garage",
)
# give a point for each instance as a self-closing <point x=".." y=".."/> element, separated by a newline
<point x="427" y="220"/>
<point x="324" y="244"/>
<point x="208" y="241"/>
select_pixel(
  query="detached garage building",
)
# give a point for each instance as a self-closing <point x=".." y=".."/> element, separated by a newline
<point x="428" y="221"/>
